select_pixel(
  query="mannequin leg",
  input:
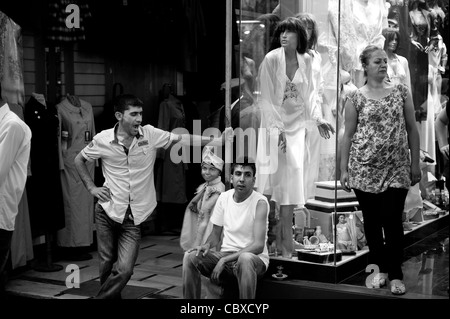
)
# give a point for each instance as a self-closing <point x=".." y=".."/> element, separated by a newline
<point x="285" y="233"/>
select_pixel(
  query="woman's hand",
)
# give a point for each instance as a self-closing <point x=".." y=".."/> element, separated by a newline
<point x="325" y="128"/>
<point x="282" y="141"/>
<point x="344" y="181"/>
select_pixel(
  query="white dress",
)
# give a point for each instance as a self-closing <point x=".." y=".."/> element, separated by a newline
<point x="398" y="71"/>
<point x="286" y="105"/>
<point x="369" y="19"/>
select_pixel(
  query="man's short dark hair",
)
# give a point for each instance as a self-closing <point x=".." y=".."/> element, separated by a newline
<point x="124" y="101"/>
<point x="244" y="161"/>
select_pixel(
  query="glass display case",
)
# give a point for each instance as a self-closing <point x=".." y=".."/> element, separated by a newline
<point x="316" y="227"/>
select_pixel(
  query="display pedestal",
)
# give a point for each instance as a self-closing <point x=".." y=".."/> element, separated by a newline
<point x="318" y="257"/>
<point x="48" y="265"/>
<point x="327" y="272"/>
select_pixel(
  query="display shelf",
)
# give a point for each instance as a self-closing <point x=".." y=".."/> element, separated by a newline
<point x="425" y="228"/>
<point x="332" y="272"/>
<point x="321" y="272"/>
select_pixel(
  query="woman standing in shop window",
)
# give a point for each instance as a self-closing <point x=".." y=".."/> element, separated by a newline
<point x="380" y="161"/>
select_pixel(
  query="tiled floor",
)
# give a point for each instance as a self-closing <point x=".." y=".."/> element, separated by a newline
<point x="425" y="269"/>
<point x="158" y="269"/>
<point x="157" y="274"/>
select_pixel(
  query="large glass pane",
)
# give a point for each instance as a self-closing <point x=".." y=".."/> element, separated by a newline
<point x="302" y="186"/>
<point x="312" y="218"/>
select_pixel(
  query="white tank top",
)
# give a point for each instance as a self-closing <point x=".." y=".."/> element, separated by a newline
<point x="238" y="221"/>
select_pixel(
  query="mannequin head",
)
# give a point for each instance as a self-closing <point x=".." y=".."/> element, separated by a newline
<point x="394" y="18"/>
<point x="293" y="25"/>
<point x="309" y="23"/>
<point x="392" y="39"/>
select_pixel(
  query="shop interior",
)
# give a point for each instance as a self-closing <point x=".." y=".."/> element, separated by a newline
<point x="195" y="70"/>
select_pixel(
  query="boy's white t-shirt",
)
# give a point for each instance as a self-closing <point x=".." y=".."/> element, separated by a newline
<point x="238" y="220"/>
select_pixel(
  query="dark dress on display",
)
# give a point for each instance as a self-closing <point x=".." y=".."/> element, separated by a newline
<point x="44" y="185"/>
<point x="418" y="61"/>
<point x="171" y="177"/>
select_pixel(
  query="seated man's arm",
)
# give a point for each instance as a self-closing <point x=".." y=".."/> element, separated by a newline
<point x="211" y="242"/>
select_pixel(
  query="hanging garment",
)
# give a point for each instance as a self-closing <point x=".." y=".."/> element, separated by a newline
<point x="369" y="19"/>
<point x="11" y="61"/>
<point x="432" y="102"/>
<point x="313" y="139"/>
<point x="45" y="215"/>
<point x="21" y="242"/>
<point x="418" y="61"/>
<point x="76" y="118"/>
<point x="398" y="70"/>
<point x="346" y="33"/>
<point x="171" y="177"/>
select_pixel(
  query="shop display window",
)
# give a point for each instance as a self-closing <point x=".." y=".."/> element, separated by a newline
<point x="327" y="224"/>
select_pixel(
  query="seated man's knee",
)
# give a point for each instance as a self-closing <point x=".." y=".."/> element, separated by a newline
<point x="245" y="259"/>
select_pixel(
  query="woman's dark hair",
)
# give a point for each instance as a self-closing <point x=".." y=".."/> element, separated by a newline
<point x="293" y="25"/>
<point x="124" y="101"/>
<point x="391" y="34"/>
<point x="367" y="53"/>
<point x="307" y="19"/>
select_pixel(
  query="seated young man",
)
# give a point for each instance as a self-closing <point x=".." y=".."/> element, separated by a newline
<point x="242" y="215"/>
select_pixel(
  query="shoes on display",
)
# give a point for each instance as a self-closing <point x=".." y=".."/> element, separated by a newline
<point x="379" y="280"/>
<point x="398" y="287"/>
